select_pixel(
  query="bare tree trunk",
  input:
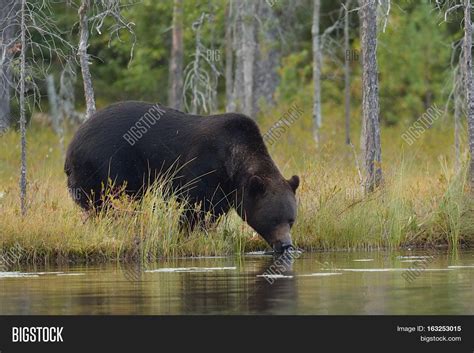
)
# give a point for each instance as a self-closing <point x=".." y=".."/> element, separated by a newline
<point x="214" y="56"/>
<point x="317" y="64"/>
<point x="468" y="86"/>
<point x="67" y="97"/>
<point x="23" y="108"/>
<point x="457" y="118"/>
<point x="196" y="65"/>
<point x="54" y="110"/>
<point x="175" y="95"/>
<point x="229" y="57"/>
<point x="370" y="100"/>
<point x="248" y="51"/>
<point x="53" y="101"/>
<point x="238" y="95"/>
<point x="84" y="58"/>
<point x="268" y="55"/>
<point x="347" y="74"/>
<point x="8" y="13"/>
<point x="457" y="130"/>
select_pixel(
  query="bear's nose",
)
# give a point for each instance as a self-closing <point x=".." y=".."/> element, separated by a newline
<point x="281" y="247"/>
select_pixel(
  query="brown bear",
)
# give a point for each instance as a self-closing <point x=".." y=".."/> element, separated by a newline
<point x="219" y="162"/>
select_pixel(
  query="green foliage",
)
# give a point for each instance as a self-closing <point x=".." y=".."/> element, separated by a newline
<point x="414" y="58"/>
<point x="295" y="70"/>
<point x="413" y="54"/>
<point x="146" y="76"/>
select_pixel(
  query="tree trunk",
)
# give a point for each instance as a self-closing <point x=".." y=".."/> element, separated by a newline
<point x="53" y="101"/>
<point x="84" y="58"/>
<point x="457" y="138"/>
<point x="54" y="110"/>
<point x="457" y="119"/>
<point x="23" y="107"/>
<point x="229" y="57"/>
<point x="67" y="96"/>
<point x="370" y="101"/>
<point x="238" y="94"/>
<point x="175" y="95"/>
<point x="468" y="86"/>
<point x="8" y="30"/>
<point x="248" y="52"/>
<point x="347" y="74"/>
<point x="317" y="63"/>
<point x="213" y="56"/>
<point x="268" y="55"/>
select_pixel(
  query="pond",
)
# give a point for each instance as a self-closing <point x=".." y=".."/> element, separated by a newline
<point x="405" y="282"/>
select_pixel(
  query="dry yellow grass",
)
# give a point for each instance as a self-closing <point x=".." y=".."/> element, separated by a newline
<point x="423" y="201"/>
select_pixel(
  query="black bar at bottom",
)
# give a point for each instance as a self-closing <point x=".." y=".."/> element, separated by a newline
<point x="250" y="333"/>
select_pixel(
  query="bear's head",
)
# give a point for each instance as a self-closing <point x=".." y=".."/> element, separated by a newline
<point x="270" y="208"/>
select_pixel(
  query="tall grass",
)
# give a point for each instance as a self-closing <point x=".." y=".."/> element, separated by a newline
<point x="423" y="201"/>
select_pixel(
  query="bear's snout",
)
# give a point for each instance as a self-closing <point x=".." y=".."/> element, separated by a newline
<point x="280" y="247"/>
<point x="281" y="239"/>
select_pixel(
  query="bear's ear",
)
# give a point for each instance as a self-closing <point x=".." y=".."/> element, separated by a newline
<point x="294" y="182"/>
<point x="256" y="185"/>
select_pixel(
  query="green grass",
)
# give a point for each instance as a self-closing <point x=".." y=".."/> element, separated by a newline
<point x="423" y="201"/>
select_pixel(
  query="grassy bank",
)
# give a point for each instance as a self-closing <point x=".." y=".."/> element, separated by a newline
<point x="423" y="201"/>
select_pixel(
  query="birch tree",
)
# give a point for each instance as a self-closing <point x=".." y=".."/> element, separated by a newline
<point x="317" y="63"/>
<point x="175" y="95"/>
<point x="372" y="152"/>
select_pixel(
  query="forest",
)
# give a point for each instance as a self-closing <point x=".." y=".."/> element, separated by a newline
<point x="370" y="102"/>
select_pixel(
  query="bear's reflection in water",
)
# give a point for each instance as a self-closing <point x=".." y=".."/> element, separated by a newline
<point x="240" y="293"/>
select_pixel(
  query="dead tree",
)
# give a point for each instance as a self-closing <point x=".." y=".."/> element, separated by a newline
<point x="99" y="11"/>
<point x="8" y="48"/>
<point x="200" y="75"/>
<point x="37" y="36"/>
<point x="53" y="101"/>
<point x="54" y="110"/>
<point x="84" y="58"/>
<point x="24" y="47"/>
<point x="66" y="95"/>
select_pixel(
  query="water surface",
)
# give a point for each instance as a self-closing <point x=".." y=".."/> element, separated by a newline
<point x="309" y="283"/>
